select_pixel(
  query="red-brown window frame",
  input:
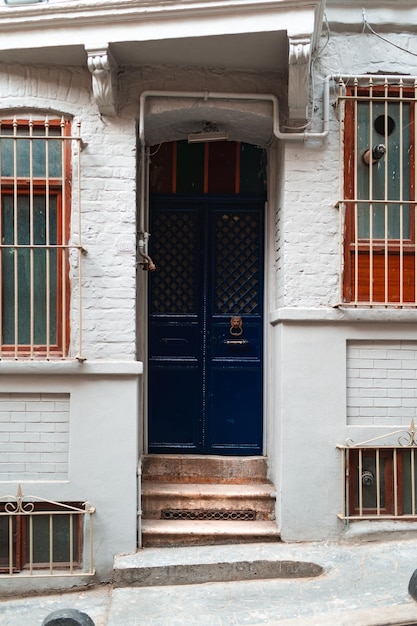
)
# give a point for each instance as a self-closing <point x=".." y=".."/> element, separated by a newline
<point x="353" y="495"/>
<point x="377" y="92"/>
<point x="61" y="188"/>
<point x="392" y="491"/>
<point x="20" y="543"/>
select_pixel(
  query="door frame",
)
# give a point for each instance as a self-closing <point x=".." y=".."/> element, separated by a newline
<point x="142" y="304"/>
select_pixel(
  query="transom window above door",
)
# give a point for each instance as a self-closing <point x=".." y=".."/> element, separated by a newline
<point x="224" y="167"/>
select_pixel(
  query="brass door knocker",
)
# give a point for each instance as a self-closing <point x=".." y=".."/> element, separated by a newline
<point x="236" y="326"/>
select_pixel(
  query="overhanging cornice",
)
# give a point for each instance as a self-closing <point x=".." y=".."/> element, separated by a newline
<point x="76" y="25"/>
<point x="94" y="12"/>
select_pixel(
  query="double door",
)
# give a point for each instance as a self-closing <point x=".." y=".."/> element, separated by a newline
<point x="206" y="326"/>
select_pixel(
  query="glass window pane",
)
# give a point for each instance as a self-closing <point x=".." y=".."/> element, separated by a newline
<point x="190" y="167"/>
<point x="409" y="459"/>
<point x="21" y="265"/>
<point x="61" y="538"/>
<point x="369" y="482"/>
<point x="252" y="169"/>
<point x="4" y="541"/>
<point x="21" y="150"/>
<point x="388" y="178"/>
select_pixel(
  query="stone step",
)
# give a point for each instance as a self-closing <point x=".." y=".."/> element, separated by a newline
<point x="183" y="566"/>
<point x="259" y="499"/>
<point x="195" y="469"/>
<point x="200" y="533"/>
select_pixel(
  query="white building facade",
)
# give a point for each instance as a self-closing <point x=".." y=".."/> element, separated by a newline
<point x="95" y="97"/>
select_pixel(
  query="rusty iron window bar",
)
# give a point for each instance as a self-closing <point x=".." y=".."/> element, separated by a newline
<point x="41" y="537"/>
<point x="377" y="197"/>
<point x="379" y="477"/>
<point x="40" y="237"/>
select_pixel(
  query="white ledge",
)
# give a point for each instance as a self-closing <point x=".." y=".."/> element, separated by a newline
<point x="70" y="368"/>
<point x="118" y="10"/>
<point x="341" y="315"/>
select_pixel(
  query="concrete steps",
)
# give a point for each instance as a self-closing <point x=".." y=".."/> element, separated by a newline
<point x="200" y="498"/>
<point x="196" y="500"/>
<point x="192" y="565"/>
<point x="194" y="468"/>
<point x="162" y="533"/>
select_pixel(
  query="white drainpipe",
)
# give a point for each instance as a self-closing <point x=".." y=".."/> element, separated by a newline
<point x="139" y="502"/>
<point x="213" y="95"/>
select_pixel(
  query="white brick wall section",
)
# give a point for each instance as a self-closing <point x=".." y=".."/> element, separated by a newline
<point x="381" y="382"/>
<point x="307" y="224"/>
<point x="34" y="436"/>
<point x="108" y="201"/>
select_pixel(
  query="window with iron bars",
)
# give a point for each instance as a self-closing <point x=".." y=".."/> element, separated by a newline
<point x="380" y="481"/>
<point x="35" y="191"/>
<point x="31" y="538"/>
<point x="38" y="535"/>
<point x="379" y="145"/>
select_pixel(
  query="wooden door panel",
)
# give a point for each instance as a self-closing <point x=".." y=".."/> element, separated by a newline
<point x="205" y="380"/>
<point x="379" y="265"/>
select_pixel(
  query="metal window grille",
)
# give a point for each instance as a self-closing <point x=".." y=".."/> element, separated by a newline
<point x="377" y="190"/>
<point x="380" y="481"/>
<point x="40" y="537"/>
<point x="40" y="203"/>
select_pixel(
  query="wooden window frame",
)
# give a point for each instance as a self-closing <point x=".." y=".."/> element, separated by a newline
<point x="60" y="188"/>
<point x="379" y="248"/>
<point x="391" y="508"/>
<point x="20" y="540"/>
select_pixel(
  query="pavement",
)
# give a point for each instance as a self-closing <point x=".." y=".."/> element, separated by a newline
<point x="361" y="584"/>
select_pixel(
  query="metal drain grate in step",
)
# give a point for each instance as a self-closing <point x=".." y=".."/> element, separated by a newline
<point x="204" y="514"/>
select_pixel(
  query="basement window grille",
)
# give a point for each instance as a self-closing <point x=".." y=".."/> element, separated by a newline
<point x="378" y="184"/>
<point x="42" y="537"/>
<point x="380" y="481"/>
<point x="37" y="198"/>
<point x="210" y="514"/>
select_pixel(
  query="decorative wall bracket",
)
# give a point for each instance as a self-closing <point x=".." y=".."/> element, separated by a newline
<point x="298" y="76"/>
<point x="103" y="68"/>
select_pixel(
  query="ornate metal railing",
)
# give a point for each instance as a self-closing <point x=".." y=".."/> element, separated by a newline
<point x="379" y="477"/>
<point x="41" y="537"/>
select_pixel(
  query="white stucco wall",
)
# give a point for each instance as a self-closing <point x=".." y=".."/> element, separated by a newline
<point x="102" y="453"/>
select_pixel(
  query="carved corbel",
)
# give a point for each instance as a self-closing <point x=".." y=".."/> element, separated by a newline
<point x="103" y="68"/>
<point x="298" y="77"/>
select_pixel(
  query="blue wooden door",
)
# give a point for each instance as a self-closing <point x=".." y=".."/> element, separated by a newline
<point x="205" y="325"/>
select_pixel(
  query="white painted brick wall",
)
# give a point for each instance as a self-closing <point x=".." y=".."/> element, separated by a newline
<point x="381" y="382"/>
<point x="307" y="248"/>
<point x="108" y="184"/>
<point x="34" y="436"/>
<point x="307" y="224"/>
<point x="108" y="203"/>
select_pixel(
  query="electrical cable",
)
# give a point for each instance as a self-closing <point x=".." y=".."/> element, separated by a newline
<point x="391" y="43"/>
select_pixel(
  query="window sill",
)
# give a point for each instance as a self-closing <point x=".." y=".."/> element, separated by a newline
<point x="343" y="314"/>
<point x="379" y="530"/>
<point x="70" y="368"/>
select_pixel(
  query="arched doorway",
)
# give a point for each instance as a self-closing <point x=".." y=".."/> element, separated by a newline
<point x="205" y="339"/>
